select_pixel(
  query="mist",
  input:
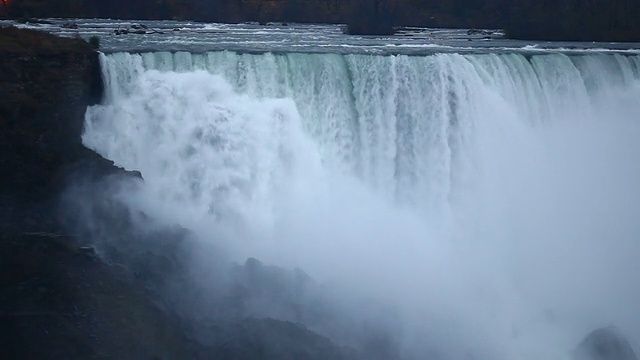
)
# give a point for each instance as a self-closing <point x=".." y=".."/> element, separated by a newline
<point x="480" y="206"/>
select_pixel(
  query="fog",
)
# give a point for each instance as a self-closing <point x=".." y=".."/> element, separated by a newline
<point x="479" y="207"/>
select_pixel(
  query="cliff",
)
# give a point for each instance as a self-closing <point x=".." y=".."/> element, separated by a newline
<point x="57" y="299"/>
<point x="46" y="83"/>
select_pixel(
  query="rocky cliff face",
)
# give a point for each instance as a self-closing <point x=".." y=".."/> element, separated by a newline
<point x="57" y="299"/>
<point x="46" y="83"/>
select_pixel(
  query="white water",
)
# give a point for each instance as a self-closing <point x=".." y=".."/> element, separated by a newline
<point x="493" y="199"/>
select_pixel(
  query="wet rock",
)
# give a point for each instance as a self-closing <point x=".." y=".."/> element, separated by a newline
<point x="87" y="250"/>
<point x="58" y="300"/>
<point x="479" y="32"/>
<point x="605" y="344"/>
<point x="29" y="20"/>
<point x="267" y="339"/>
<point x="70" y="25"/>
<point x="44" y="93"/>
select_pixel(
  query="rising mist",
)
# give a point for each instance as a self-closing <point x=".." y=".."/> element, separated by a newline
<point x="479" y="206"/>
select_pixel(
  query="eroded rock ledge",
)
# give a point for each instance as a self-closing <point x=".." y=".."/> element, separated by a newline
<point x="46" y="83"/>
<point x="57" y="299"/>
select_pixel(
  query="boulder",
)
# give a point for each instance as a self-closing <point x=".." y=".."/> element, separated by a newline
<point x="605" y="344"/>
<point x="70" y="25"/>
<point x="268" y="339"/>
<point x="479" y="32"/>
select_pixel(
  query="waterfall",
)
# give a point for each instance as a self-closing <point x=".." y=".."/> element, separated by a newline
<point x="490" y="197"/>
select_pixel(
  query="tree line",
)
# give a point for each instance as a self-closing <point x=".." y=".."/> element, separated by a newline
<point x="579" y="20"/>
<point x="527" y="19"/>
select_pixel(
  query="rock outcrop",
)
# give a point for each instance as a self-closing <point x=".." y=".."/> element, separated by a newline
<point x="605" y="344"/>
<point x="58" y="300"/>
<point x="46" y="84"/>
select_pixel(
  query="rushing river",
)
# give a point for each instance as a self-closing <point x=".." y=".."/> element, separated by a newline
<point x="308" y="38"/>
<point x="487" y="190"/>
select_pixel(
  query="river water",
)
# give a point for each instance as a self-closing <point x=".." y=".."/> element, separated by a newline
<point x="325" y="38"/>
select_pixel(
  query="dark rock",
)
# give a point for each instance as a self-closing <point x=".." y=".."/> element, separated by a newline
<point x="70" y="25"/>
<point x="29" y="20"/>
<point x="479" y="32"/>
<point x="44" y="94"/>
<point x="69" y="306"/>
<point x="58" y="300"/>
<point x="88" y="250"/>
<point x="605" y="344"/>
<point x="268" y="339"/>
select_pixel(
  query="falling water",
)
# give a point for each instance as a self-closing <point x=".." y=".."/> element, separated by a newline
<point x="492" y="199"/>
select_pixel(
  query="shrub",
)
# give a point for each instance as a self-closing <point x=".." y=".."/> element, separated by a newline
<point x="95" y="42"/>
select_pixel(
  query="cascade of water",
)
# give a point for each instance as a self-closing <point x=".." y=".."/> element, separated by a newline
<point x="491" y="194"/>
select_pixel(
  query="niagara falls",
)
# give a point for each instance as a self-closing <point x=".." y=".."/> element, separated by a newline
<point x="289" y="191"/>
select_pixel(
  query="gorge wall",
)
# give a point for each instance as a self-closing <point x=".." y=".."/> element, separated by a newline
<point x="46" y="83"/>
<point x="57" y="299"/>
